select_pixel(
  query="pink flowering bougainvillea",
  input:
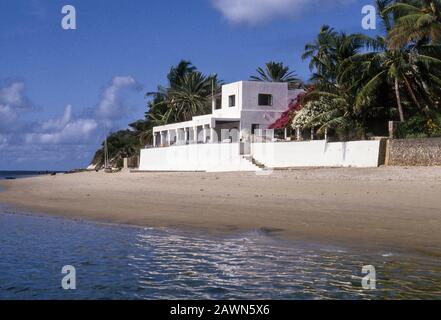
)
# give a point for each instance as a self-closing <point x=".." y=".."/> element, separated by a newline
<point x="286" y="119"/>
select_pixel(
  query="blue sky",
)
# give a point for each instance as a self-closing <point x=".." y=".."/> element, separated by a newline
<point x="61" y="90"/>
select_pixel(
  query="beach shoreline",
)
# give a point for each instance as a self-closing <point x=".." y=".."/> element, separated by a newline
<point x="384" y="207"/>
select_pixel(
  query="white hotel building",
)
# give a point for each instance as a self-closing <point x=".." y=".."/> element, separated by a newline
<point x="222" y="141"/>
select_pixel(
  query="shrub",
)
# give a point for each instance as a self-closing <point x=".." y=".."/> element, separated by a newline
<point x="420" y="126"/>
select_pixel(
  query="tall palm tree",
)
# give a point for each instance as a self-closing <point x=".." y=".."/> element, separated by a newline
<point x="415" y="21"/>
<point x="379" y="68"/>
<point x="346" y="76"/>
<point x="177" y="73"/>
<point x="191" y="97"/>
<point x="185" y="96"/>
<point x="174" y="78"/>
<point x="329" y="51"/>
<point x="275" y="72"/>
<point x="404" y="70"/>
<point x="320" y="53"/>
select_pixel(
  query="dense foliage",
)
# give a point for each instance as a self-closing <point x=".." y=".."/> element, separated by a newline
<point x="121" y="144"/>
<point x="362" y="82"/>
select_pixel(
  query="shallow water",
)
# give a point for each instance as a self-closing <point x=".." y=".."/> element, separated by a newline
<point x="18" y="174"/>
<point x="121" y="262"/>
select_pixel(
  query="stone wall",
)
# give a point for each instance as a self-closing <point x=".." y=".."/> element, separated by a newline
<point x="414" y="152"/>
<point x="133" y="162"/>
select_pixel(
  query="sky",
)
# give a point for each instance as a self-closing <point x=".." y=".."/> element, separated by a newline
<point x="61" y="90"/>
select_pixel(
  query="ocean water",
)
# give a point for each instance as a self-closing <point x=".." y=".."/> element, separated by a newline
<point x="122" y="262"/>
<point x="19" y="174"/>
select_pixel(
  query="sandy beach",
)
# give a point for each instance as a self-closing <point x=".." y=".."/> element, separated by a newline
<point x="388" y="207"/>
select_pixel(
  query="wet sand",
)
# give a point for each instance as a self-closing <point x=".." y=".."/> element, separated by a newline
<point x="387" y="207"/>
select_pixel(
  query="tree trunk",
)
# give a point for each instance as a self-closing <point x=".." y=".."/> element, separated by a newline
<point x="434" y="9"/>
<point x="412" y="94"/>
<point x="397" y="94"/>
<point x="363" y="127"/>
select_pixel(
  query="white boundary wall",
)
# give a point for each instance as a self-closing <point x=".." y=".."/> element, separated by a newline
<point x="226" y="157"/>
<point x="195" y="157"/>
<point x="317" y="154"/>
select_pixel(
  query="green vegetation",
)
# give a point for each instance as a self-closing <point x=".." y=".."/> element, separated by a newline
<point x="123" y="144"/>
<point x="358" y="83"/>
<point x="275" y="72"/>
<point x="419" y="127"/>
<point x="361" y="83"/>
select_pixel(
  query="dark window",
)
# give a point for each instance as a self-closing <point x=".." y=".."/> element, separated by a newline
<point x="265" y="100"/>
<point x="232" y="101"/>
<point x="218" y="103"/>
<point x="254" y="128"/>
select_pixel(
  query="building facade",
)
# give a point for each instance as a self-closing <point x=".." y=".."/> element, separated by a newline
<point x="237" y="112"/>
<point x="226" y="139"/>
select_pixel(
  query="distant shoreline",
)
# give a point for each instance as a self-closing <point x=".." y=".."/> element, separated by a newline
<point x="385" y="207"/>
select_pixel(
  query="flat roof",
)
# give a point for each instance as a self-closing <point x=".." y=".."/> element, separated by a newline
<point x="197" y="121"/>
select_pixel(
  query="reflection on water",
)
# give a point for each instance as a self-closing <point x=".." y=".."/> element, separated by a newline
<point x="143" y="263"/>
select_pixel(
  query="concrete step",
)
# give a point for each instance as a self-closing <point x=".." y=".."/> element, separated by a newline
<point x="256" y="163"/>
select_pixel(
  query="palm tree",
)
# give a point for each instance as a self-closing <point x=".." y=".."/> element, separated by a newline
<point x="186" y="95"/>
<point x="191" y="97"/>
<point x="178" y="72"/>
<point x="174" y="78"/>
<point x="416" y="21"/>
<point x="143" y="130"/>
<point x="320" y="52"/>
<point x="275" y="72"/>
<point x="157" y="108"/>
<point x="329" y="51"/>
<point x="404" y="70"/>
<point x="387" y="67"/>
<point x="346" y="77"/>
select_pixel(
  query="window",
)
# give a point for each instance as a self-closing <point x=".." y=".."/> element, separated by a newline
<point x="254" y="128"/>
<point x="232" y="101"/>
<point x="218" y="103"/>
<point x="265" y="100"/>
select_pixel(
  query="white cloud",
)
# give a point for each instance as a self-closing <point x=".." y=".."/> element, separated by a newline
<point x="12" y="101"/>
<point x="60" y="142"/>
<point x="258" y="11"/>
<point x="58" y="123"/>
<point x="111" y="106"/>
<point x="64" y="130"/>
<point x="13" y="94"/>
<point x="7" y="115"/>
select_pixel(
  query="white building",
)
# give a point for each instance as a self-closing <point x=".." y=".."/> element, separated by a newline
<point x="222" y="141"/>
<point x="241" y="109"/>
